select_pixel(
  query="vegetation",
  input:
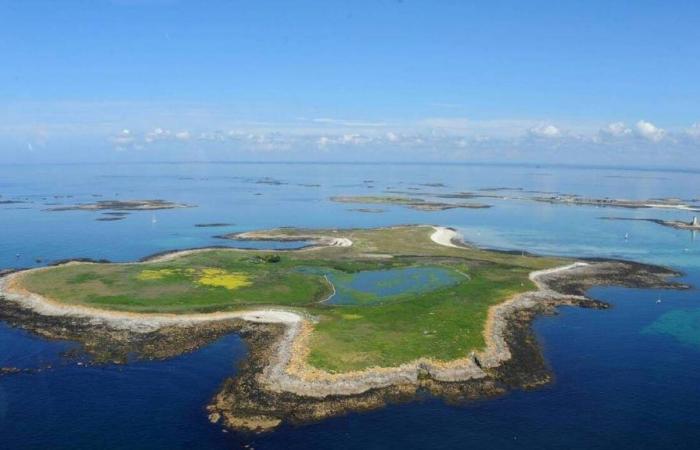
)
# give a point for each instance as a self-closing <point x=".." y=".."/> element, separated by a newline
<point x="443" y="322"/>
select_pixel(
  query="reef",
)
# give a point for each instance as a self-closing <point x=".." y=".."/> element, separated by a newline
<point x="123" y="205"/>
<point x="418" y="204"/>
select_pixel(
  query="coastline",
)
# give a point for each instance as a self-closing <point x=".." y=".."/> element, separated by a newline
<point x="287" y="388"/>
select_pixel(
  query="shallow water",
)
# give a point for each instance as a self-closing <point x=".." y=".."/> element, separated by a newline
<point x="681" y="324"/>
<point x="624" y="377"/>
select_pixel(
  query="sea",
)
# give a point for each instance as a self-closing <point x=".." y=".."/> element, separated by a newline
<point x="627" y="377"/>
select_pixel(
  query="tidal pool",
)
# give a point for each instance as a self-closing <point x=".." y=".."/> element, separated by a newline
<point x="375" y="286"/>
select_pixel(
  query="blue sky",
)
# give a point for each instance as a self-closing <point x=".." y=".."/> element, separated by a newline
<point x="308" y="80"/>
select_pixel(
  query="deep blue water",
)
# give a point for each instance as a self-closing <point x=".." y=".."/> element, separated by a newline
<point x="625" y="377"/>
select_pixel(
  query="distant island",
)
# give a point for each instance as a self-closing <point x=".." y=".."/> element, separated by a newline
<point x="409" y="202"/>
<point x="692" y="225"/>
<point x="415" y="198"/>
<point x="356" y="319"/>
<point x="665" y="203"/>
<point x="122" y="205"/>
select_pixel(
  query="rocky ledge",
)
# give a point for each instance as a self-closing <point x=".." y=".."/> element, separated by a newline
<point x="270" y="390"/>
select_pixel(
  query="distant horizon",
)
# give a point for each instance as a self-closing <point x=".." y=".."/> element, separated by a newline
<point x="385" y="162"/>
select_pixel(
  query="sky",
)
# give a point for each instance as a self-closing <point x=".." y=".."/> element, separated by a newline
<point x="576" y="82"/>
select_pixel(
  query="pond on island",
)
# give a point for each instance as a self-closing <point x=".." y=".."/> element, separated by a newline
<point x="370" y="287"/>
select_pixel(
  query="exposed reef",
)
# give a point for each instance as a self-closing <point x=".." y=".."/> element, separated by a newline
<point x="110" y="218"/>
<point x="123" y="205"/>
<point x="691" y="225"/>
<point x="667" y="203"/>
<point x="368" y="210"/>
<point x="11" y="202"/>
<point x="409" y="198"/>
<point x="213" y="225"/>
<point x="418" y="204"/>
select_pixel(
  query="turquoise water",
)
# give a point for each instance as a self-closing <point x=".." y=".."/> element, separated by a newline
<point x="371" y="287"/>
<point x="681" y="324"/>
<point x="624" y="378"/>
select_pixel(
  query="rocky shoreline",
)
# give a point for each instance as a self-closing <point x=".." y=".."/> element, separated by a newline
<point x="275" y="384"/>
<point x="260" y="397"/>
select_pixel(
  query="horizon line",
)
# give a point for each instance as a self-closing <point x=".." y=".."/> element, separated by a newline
<point x="387" y="162"/>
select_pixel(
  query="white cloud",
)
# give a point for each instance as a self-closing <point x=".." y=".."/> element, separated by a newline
<point x="694" y="130"/>
<point x="649" y="131"/>
<point x="617" y="129"/>
<point x="323" y="141"/>
<point x="123" y="138"/>
<point x="183" y="135"/>
<point x="494" y="128"/>
<point x="156" y="134"/>
<point x="545" y="131"/>
<point x="436" y="135"/>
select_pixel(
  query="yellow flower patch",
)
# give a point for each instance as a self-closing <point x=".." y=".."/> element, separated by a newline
<point x="205" y="277"/>
<point x="222" y="278"/>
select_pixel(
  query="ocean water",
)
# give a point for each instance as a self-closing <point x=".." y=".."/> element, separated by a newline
<point x="626" y="377"/>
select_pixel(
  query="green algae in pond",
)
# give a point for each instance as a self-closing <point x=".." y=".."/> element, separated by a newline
<point x="374" y="286"/>
<point x="681" y="324"/>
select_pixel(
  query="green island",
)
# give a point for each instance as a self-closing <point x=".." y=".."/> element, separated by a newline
<point x="353" y="320"/>
<point x="444" y="322"/>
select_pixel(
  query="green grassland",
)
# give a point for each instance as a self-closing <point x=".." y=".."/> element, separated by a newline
<point x="443" y="323"/>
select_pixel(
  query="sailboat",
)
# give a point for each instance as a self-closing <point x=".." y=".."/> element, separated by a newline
<point x="153" y="219"/>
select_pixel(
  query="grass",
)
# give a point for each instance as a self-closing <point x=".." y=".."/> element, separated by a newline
<point x="443" y="323"/>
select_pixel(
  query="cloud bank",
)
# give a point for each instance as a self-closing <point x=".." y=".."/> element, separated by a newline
<point x="150" y="132"/>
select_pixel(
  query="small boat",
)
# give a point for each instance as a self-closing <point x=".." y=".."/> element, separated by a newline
<point x="658" y="300"/>
<point x="153" y="219"/>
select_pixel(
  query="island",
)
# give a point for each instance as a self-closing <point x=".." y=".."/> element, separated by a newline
<point x="659" y="203"/>
<point x="418" y="204"/>
<point x="356" y="319"/>
<point x="122" y="205"/>
<point x="503" y="193"/>
<point x="692" y="225"/>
